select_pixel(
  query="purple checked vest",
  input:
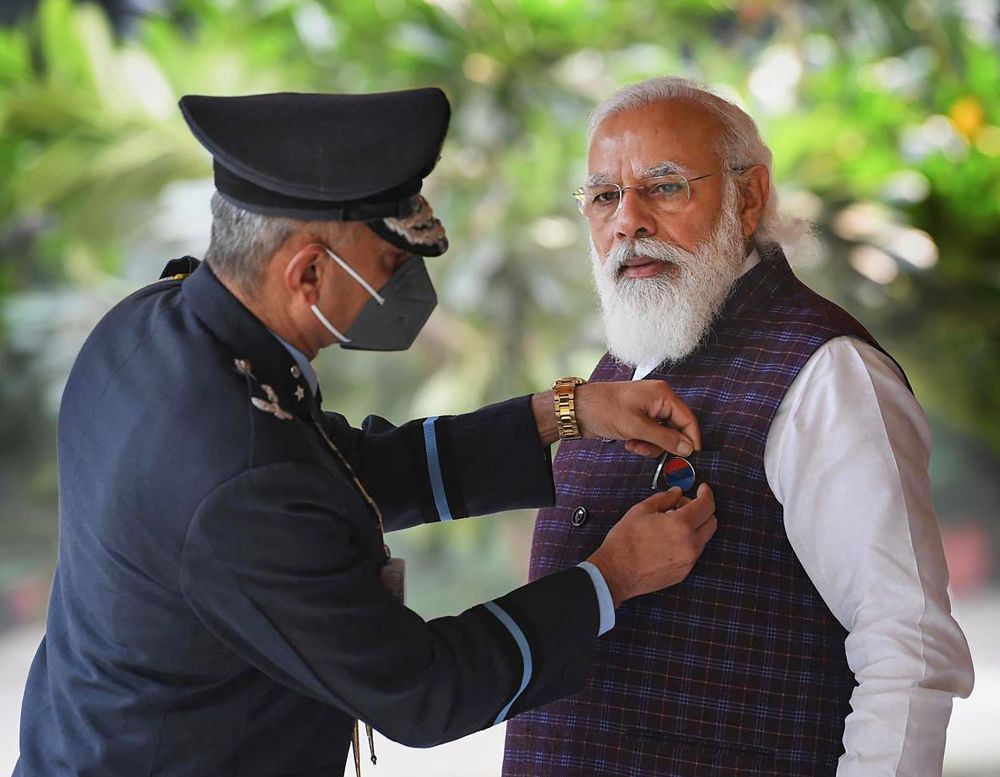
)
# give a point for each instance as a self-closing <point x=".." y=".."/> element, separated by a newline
<point x="740" y="669"/>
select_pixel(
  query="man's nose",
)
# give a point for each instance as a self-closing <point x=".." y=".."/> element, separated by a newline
<point x="634" y="217"/>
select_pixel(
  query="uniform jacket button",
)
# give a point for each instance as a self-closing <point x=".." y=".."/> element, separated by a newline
<point x="579" y="516"/>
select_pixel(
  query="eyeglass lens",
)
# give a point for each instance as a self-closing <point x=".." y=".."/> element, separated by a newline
<point x="667" y="193"/>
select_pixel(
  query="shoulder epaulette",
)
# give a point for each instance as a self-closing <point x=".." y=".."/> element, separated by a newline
<point x="179" y="269"/>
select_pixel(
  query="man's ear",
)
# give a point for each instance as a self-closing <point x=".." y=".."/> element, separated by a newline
<point x="304" y="272"/>
<point x="754" y="188"/>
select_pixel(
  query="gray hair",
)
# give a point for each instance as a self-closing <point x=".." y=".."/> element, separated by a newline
<point x="740" y="144"/>
<point x="243" y="242"/>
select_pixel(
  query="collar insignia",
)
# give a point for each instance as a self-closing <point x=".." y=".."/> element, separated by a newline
<point x="271" y="405"/>
<point x="243" y="368"/>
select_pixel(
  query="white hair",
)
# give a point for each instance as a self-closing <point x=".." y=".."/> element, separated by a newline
<point x="740" y="145"/>
<point x="243" y="242"/>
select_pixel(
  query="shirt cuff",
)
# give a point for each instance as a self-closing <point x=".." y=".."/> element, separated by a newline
<point x="604" y="600"/>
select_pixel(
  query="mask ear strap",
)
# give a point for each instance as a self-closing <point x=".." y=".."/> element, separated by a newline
<point x="333" y="330"/>
<point x="354" y="274"/>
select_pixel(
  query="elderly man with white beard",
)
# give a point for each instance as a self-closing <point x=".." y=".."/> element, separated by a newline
<point x="815" y="637"/>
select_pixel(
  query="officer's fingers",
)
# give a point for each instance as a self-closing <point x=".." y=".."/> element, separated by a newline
<point x="697" y="511"/>
<point x="642" y="448"/>
<point x="690" y="430"/>
<point x="660" y="502"/>
<point x="658" y="438"/>
<point x="669" y="407"/>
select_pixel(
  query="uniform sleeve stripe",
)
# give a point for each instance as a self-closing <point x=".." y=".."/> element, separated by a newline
<point x="522" y="644"/>
<point x="434" y="470"/>
<point x="605" y="603"/>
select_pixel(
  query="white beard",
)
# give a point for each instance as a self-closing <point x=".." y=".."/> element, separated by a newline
<point x="664" y="318"/>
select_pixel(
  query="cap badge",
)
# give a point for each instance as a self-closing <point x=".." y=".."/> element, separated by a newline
<point x="421" y="227"/>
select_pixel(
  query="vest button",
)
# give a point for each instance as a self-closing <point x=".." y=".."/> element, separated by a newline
<point x="579" y="516"/>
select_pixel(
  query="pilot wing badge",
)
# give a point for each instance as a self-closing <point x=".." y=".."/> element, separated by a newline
<point x="270" y="404"/>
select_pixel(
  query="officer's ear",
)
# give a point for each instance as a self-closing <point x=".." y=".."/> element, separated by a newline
<point x="304" y="272"/>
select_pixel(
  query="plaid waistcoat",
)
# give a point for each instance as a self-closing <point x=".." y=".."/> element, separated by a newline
<point x="740" y="669"/>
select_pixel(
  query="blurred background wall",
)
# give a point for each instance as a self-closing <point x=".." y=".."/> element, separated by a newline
<point x="884" y="119"/>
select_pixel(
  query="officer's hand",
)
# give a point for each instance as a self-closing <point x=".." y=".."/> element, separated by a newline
<point x="656" y="543"/>
<point x="647" y="414"/>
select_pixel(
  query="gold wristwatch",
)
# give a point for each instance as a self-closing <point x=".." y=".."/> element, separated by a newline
<point x="564" y="397"/>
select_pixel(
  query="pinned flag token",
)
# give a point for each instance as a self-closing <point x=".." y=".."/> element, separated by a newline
<point x="673" y="471"/>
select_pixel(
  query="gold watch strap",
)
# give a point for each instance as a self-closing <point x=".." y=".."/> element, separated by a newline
<point x="564" y="398"/>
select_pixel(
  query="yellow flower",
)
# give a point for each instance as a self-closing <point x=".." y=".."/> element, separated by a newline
<point x="967" y="115"/>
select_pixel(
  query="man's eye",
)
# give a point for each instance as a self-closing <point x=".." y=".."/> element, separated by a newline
<point x="606" y="198"/>
<point x="666" y="189"/>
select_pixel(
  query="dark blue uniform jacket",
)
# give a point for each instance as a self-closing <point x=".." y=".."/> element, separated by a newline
<point x="217" y="608"/>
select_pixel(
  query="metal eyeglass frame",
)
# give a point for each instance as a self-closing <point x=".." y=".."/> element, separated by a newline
<point x="641" y="188"/>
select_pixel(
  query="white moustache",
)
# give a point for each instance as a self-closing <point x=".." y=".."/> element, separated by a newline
<point x="648" y="248"/>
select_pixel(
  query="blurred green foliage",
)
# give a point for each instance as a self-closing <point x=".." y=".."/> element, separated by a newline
<point x="884" y="118"/>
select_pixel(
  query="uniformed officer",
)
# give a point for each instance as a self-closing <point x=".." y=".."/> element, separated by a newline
<point x="224" y="600"/>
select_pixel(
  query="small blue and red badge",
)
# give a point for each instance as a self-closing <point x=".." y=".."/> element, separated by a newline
<point x="673" y="471"/>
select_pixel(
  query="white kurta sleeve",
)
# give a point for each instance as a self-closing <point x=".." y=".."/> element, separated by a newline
<point x="847" y="457"/>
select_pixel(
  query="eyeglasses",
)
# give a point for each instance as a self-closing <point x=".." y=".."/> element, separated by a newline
<point x="665" y="193"/>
